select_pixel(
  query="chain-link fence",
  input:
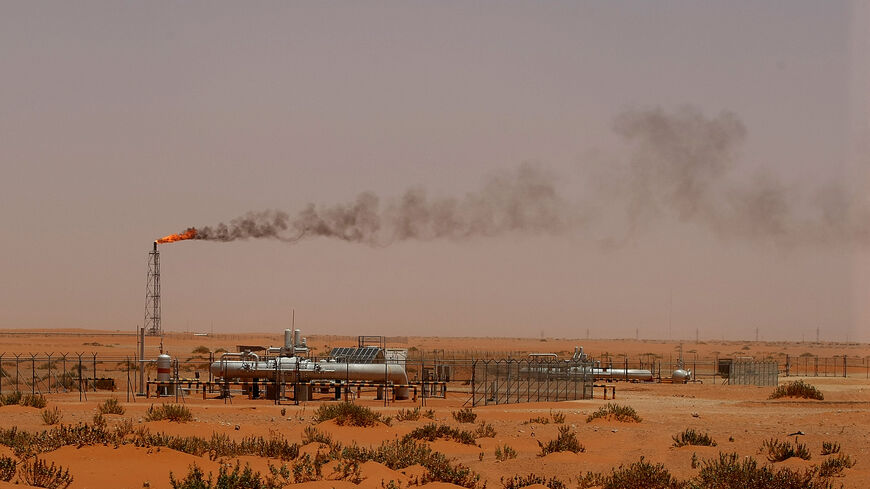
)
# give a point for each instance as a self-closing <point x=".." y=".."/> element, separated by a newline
<point x="516" y="381"/>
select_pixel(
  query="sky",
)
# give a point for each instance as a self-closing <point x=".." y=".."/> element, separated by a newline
<point x="611" y="169"/>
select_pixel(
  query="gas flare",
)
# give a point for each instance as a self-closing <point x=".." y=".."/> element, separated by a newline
<point x="189" y="234"/>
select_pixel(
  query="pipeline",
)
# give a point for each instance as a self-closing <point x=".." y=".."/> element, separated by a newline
<point x="296" y="369"/>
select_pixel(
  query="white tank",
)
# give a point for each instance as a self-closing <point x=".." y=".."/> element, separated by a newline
<point x="288" y="338"/>
<point x="164" y="368"/>
<point x="681" y="375"/>
<point x="164" y="373"/>
<point x="297" y="337"/>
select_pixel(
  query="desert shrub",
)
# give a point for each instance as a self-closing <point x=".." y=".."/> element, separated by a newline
<point x="7" y="468"/>
<point x="517" y="482"/>
<point x="484" y="430"/>
<point x="834" y="466"/>
<point x="505" y="452"/>
<point x="429" y="413"/>
<point x="617" y="412"/>
<point x="172" y="412"/>
<point x="51" y="416"/>
<point x="640" y="474"/>
<point x="124" y="428"/>
<point x="405" y="452"/>
<point x="36" y="472"/>
<point x="34" y="400"/>
<point x="99" y="420"/>
<point x="558" y="417"/>
<point x="312" y="435"/>
<point x="777" y="451"/>
<point x="111" y="406"/>
<point x="465" y="415"/>
<point x="798" y="388"/>
<point x="220" y="350"/>
<point x="408" y="414"/>
<point x="347" y="413"/>
<point x="201" y="349"/>
<point x="12" y="398"/>
<point x="730" y="471"/>
<point x="538" y="420"/>
<point x="238" y="478"/>
<point x="565" y="442"/>
<point x="829" y="447"/>
<point x="432" y="431"/>
<point x="692" y="437"/>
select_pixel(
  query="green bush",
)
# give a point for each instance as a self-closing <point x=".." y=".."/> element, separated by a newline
<point x="408" y="414"/>
<point x="484" y="430"/>
<point x="111" y="406"/>
<point x="7" y="468"/>
<point x="347" y="413"/>
<point x="204" y="350"/>
<point x="518" y="482"/>
<point x="505" y="452"/>
<point x="51" y="416"/>
<point x="432" y="431"/>
<point x="625" y="414"/>
<point x="798" y="388"/>
<point x="36" y="472"/>
<point x="640" y="474"/>
<point x="777" y="451"/>
<point x="692" y="437"/>
<point x="38" y="401"/>
<point x="558" y="417"/>
<point x="238" y="478"/>
<point x="829" y="447"/>
<point x="465" y="415"/>
<point x="12" y="398"/>
<point x="312" y="435"/>
<point x="834" y="466"/>
<point x="565" y="442"/>
<point x="171" y="412"/>
<point x="732" y="471"/>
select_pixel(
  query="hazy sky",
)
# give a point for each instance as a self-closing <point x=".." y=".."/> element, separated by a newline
<point x="121" y="122"/>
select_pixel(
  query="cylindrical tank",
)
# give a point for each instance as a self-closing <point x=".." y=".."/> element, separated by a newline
<point x="297" y="337"/>
<point x="295" y="369"/>
<point x="288" y="338"/>
<point x="681" y="375"/>
<point x="164" y="373"/>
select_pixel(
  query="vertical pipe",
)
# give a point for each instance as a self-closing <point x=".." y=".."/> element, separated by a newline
<point x="142" y="361"/>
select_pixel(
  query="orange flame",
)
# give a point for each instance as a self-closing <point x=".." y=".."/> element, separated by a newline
<point x="189" y="234"/>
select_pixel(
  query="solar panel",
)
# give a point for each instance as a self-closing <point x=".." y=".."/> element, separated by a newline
<point x="366" y="354"/>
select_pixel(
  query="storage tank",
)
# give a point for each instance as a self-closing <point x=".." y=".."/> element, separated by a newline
<point x="164" y="373"/>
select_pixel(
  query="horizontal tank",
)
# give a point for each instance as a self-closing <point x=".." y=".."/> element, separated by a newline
<point x="622" y="374"/>
<point x="292" y="369"/>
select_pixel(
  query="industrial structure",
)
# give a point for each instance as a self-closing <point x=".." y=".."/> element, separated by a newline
<point x="152" y="295"/>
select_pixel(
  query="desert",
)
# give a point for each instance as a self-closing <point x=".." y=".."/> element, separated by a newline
<point x="506" y="445"/>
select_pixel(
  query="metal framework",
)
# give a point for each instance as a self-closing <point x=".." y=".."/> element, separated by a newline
<point x="152" y="295"/>
<point x="514" y="381"/>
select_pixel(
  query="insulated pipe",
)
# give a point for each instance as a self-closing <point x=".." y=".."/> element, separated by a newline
<point x="294" y="369"/>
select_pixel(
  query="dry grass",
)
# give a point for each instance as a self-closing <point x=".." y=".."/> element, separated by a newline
<point x="347" y="414"/>
<point x="171" y="412"/>
<point x="625" y="414"/>
<point x="565" y="442"/>
<point x="692" y="437"/>
<point x="799" y="389"/>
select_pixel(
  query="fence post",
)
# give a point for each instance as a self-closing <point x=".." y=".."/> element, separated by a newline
<point x="32" y="374"/>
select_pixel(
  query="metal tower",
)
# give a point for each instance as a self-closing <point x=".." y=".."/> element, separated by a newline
<point x="152" y="295"/>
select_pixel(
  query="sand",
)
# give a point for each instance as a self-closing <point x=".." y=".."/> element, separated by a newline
<point x="739" y="418"/>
